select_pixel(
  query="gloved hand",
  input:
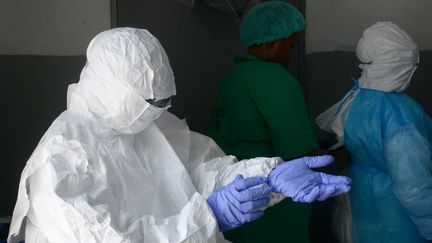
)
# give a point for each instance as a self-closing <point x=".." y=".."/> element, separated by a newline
<point x="295" y="179"/>
<point x="237" y="203"/>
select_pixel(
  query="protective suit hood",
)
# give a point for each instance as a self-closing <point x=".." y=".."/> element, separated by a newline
<point x="389" y="57"/>
<point x="125" y="66"/>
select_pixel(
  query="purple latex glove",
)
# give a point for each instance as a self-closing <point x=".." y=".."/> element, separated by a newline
<point x="296" y="180"/>
<point x="237" y="203"/>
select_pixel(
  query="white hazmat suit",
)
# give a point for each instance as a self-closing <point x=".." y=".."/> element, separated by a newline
<point x="113" y="168"/>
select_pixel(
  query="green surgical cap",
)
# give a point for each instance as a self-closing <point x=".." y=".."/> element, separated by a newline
<point x="270" y="21"/>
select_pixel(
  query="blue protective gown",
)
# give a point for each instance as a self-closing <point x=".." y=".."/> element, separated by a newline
<point x="389" y="137"/>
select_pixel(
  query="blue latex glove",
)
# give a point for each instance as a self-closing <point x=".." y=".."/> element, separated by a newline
<point x="296" y="180"/>
<point x="239" y="201"/>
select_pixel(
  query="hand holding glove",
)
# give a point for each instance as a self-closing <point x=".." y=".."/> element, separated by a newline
<point x="296" y="180"/>
<point x="237" y="203"/>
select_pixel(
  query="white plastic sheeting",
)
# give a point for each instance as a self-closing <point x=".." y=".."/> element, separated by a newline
<point x="234" y="7"/>
<point x="189" y="3"/>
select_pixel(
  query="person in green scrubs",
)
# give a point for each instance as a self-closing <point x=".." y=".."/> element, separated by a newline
<point x="260" y="112"/>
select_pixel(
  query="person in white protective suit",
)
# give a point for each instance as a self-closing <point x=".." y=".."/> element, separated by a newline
<point x="117" y="167"/>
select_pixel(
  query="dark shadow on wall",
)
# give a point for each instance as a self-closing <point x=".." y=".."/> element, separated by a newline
<point x="33" y="94"/>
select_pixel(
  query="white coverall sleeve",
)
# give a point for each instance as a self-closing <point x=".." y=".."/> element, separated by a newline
<point x="408" y="156"/>
<point x="210" y="168"/>
<point x="64" y="197"/>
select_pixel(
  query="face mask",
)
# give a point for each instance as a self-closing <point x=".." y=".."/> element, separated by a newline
<point x="148" y="116"/>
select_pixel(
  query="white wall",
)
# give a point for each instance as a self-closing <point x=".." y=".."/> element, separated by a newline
<point x="338" y="24"/>
<point x="51" y="27"/>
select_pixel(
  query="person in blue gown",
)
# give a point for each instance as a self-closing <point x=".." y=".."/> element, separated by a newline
<point x="389" y="138"/>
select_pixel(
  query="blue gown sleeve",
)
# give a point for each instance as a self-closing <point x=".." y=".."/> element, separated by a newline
<point x="408" y="155"/>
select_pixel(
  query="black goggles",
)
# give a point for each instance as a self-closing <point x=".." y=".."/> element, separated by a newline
<point x="160" y="103"/>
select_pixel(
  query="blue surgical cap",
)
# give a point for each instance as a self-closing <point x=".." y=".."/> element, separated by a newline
<point x="270" y="21"/>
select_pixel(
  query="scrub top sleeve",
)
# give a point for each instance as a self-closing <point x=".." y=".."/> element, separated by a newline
<point x="281" y="103"/>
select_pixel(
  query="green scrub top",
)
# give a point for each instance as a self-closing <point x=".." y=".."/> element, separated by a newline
<point x="260" y="112"/>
